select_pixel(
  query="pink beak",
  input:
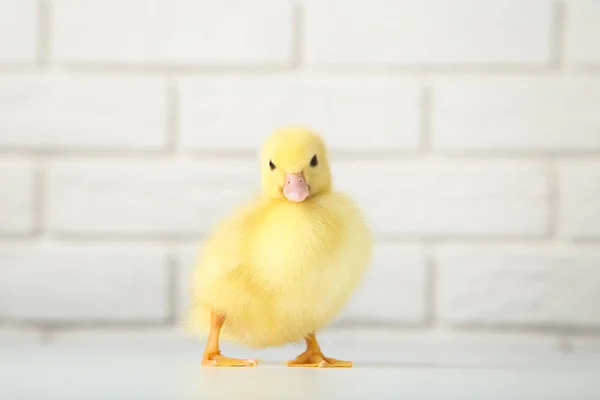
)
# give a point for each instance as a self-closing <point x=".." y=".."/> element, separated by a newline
<point x="295" y="187"/>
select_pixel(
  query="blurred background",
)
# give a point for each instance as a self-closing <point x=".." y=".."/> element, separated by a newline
<point x="468" y="130"/>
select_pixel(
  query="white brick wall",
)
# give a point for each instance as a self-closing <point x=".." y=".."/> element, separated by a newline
<point x="469" y="131"/>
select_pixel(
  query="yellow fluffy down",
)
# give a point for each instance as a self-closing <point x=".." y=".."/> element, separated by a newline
<point x="280" y="270"/>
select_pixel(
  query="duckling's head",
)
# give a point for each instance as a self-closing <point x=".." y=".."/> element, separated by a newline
<point x="294" y="165"/>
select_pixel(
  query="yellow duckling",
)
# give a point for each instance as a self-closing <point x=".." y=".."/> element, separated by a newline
<point x="281" y="268"/>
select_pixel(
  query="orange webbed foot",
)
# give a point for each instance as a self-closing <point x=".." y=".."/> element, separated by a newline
<point x="218" y="360"/>
<point x="312" y="359"/>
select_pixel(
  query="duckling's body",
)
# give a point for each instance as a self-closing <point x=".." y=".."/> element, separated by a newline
<point x="276" y="296"/>
<point x="281" y="268"/>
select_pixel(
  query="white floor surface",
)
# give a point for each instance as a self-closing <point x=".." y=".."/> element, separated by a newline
<point x="135" y="366"/>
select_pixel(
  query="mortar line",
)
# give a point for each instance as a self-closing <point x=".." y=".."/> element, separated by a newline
<point x="364" y="326"/>
<point x="567" y="334"/>
<point x="559" y="34"/>
<point x="52" y="328"/>
<point x="425" y="144"/>
<point x="172" y="287"/>
<point x="170" y="238"/>
<point x="55" y="330"/>
<point x="84" y="239"/>
<point x="554" y="229"/>
<point x="39" y="199"/>
<point x="358" y="324"/>
<point x="99" y="154"/>
<point x="21" y="68"/>
<point x="298" y="36"/>
<point x="173" y="117"/>
<point x="267" y="70"/>
<point x="548" y="330"/>
<point x="432" y="288"/>
<point x="336" y="155"/>
<point x="44" y="36"/>
<point x="163" y="70"/>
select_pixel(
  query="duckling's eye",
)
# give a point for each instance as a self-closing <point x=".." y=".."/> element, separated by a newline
<point x="314" y="161"/>
<point x="271" y="165"/>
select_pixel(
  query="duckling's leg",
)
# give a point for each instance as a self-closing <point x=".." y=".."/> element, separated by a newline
<point x="313" y="357"/>
<point x="212" y="355"/>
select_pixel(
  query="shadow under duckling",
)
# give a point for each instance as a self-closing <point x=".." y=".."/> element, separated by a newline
<point x="280" y="269"/>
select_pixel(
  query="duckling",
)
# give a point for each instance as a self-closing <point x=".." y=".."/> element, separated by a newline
<point x="279" y="269"/>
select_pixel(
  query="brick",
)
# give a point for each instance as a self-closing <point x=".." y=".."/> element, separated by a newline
<point x="428" y="33"/>
<point x="393" y="289"/>
<point x="583" y="32"/>
<point x="352" y="114"/>
<point x="83" y="283"/>
<point x="146" y="197"/>
<point x="18" y="31"/>
<point x="540" y="114"/>
<point x="580" y="199"/>
<point x="17" y="198"/>
<point x="432" y="199"/>
<point x="173" y="32"/>
<point x="532" y="287"/>
<point x="57" y="112"/>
